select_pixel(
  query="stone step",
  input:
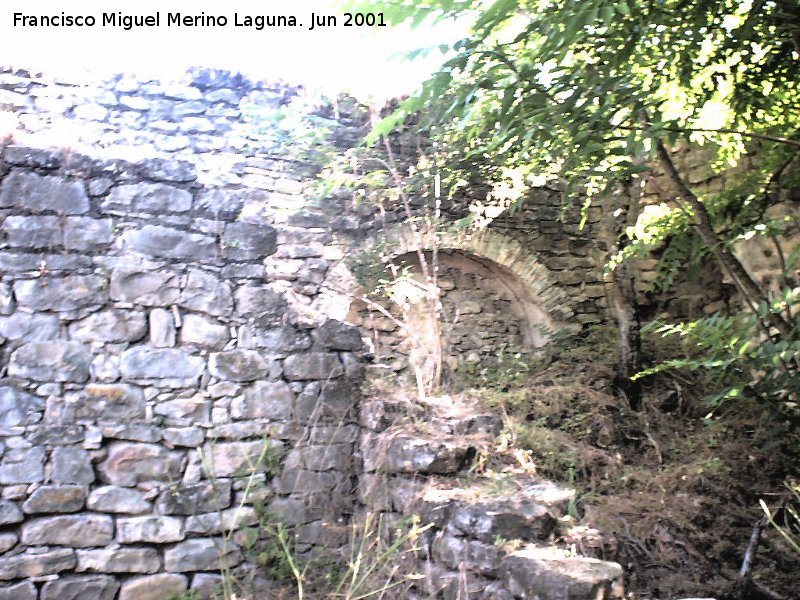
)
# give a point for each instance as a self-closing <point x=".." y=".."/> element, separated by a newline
<point x="409" y="454"/>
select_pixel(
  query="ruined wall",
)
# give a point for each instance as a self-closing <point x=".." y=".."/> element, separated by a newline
<point x="161" y="325"/>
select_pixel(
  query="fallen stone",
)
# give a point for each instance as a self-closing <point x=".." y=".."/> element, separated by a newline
<point x="61" y="293"/>
<point x="248" y="241"/>
<point x="154" y="530"/>
<point x="71" y="465"/>
<point x="111" y="325"/>
<point x="202" y="554"/>
<point x="165" y="242"/>
<point x="147" y="363"/>
<point x="239" y="365"/>
<point x="162" y="328"/>
<point x="312" y="365"/>
<point x="264" y="400"/>
<point x="77" y="531"/>
<point x="29" y="327"/>
<point x="115" y="499"/>
<point x="22" y="466"/>
<point x="203" y="331"/>
<point x="154" y="587"/>
<point x="24" y="590"/>
<point x="261" y="304"/>
<point x="56" y="499"/>
<point x="131" y="463"/>
<point x="10" y="513"/>
<point x="80" y="587"/>
<point x="206" y="293"/>
<point x="118" y="560"/>
<point x="39" y="194"/>
<point x="85" y="234"/>
<point x="51" y="361"/>
<point x="149" y="288"/>
<point x="18" y="407"/>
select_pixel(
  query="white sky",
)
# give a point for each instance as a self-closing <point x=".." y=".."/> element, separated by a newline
<point x="355" y="59"/>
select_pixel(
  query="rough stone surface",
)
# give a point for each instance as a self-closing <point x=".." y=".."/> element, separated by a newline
<point x="51" y="361"/>
<point x="115" y="499"/>
<point x="203" y="331"/>
<point x="201" y="554"/>
<point x="261" y="304"/>
<point x="56" y="499"/>
<point x="334" y="335"/>
<point x="22" y="466"/>
<point x="77" y="531"/>
<point x="33" y="232"/>
<point x="118" y="560"/>
<point x="313" y="365"/>
<point x="30" y="327"/>
<point x="205" y="292"/>
<point x="162" y="328"/>
<point x="105" y="402"/>
<point x="165" y="242"/>
<point x="195" y="498"/>
<point x="61" y="293"/>
<point x="148" y="363"/>
<point x="83" y="233"/>
<point x="36" y="565"/>
<point x="18" y="407"/>
<point x="128" y="464"/>
<point x="248" y="241"/>
<point x="41" y="194"/>
<point x="153" y="587"/>
<point x="233" y="458"/>
<point x="158" y="530"/>
<point x="149" y="197"/>
<point x="80" y="587"/>
<point x="110" y="326"/>
<point x="25" y="590"/>
<point x="71" y="465"/>
<point x="265" y="400"/>
<point x="239" y="365"/>
<point x="9" y="513"/>
<point x="149" y="288"/>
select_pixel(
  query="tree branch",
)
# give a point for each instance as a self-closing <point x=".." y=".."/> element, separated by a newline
<point x="747" y="134"/>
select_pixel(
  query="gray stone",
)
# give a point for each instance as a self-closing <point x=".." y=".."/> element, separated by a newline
<point x="9" y="513"/>
<point x="165" y="242"/>
<point x="81" y="587"/>
<point x="86" y="234"/>
<point x="202" y="554"/>
<point x="51" y="361"/>
<point x="146" y="363"/>
<point x="33" y="232"/>
<point x="99" y="186"/>
<point x="240" y="458"/>
<point x="71" y="465"/>
<point x="118" y="560"/>
<point x="33" y="157"/>
<point x="114" y="499"/>
<point x="154" y="587"/>
<point x="224" y="521"/>
<point x="509" y="518"/>
<point x="22" y="466"/>
<point x="265" y="400"/>
<point x="169" y="169"/>
<point x="227" y="204"/>
<point x="56" y="499"/>
<point x="61" y="293"/>
<point x="57" y="435"/>
<point x="98" y="402"/>
<point x="162" y="328"/>
<point x="105" y="367"/>
<point x="248" y="241"/>
<point x="203" y="331"/>
<point x="532" y="573"/>
<point x="335" y="335"/>
<point x="8" y="541"/>
<point x="186" y="411"/>
<point x="18" y="407"/>
<point x="261" y="304"/>
<point x="195" y="498"/>
<point x="154" y="530"/>
<point x="6" y="299"/>
<point x="135" y="432"/>
<point x="150" y="288"/>
<point x="187" y="437"/>
<point x="409" y="454"/>
<point x="39" y="194"/>
<point x="37" y="564"/>
<point x="130" y="463"/>
<point x="30" y="327"/>
<point x="327" y="457"/>
<point x="239" y="365"/>
<point x="112" y="325"/>
<point x="208" y="586"/>
<point x="205" y="292"/>
<point x="149" y="197"/>
<point x="24" y="590"/>
<point x="283" y="339"/>
<point x="312" y="365"/>
<point x="11" y="262"/>
<point x="476" y="556"/>
<point x="77" y="531"/>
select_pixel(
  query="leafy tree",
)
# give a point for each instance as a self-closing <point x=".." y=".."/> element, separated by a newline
<point x="599" y="94"/>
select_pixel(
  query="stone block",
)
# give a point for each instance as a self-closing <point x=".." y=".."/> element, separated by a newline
<point x="202" y="554"/>
<point x="239" y="458"/>
<point x="187" y="437"/>
<point x="162" y="328"/>
<point x="206" y="292"/>
<point x="80" y="587"/>
<point x="32" y="232"/>
<point x="56" y="499"/>
<point x="18" y="407"/>
<point x="43" y="193"/>
<point x="118" y="500"/>
<point x="260" y="304"/>
<point x="166" y="242"/>
<point x="244" y="240"/>
<point x="240" y="365"/>
<point x="148" y="363"/>
<point x="61" y="293"/>
<point x="51" y="361"/>
<point x="149" y="288"/>
<point x="224" y="521"/>
<point x="118" y="560"/>
<point x="148" y="197"/>
<point x="22" y="466"/>
<point x="476" y="556"/>
<point x="71" y="465"/>
<point x="10" y="513"/>
<point x="29" y="327"/>
<point x="408" y="454"/>
<point x="195" y="498"/>
<point x="154" y="587"/>
<point x="203" y="331"/>
<point x="77" y="531"/>
<point x="335" y="335"/>
<point x="312" y="365"/>
<point x="282" y="339"/>
<point x="130" y="463"/>
<point x="8" y="541"/>
<point x="336" y="457"/>
<point x="103" y="402"/>
<point x="152" y="530"/>
<point x="37" y="564"/>
<point x="264" y="400"/>
<point x="24" y="590"/>
<point x="86" y="234"/>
